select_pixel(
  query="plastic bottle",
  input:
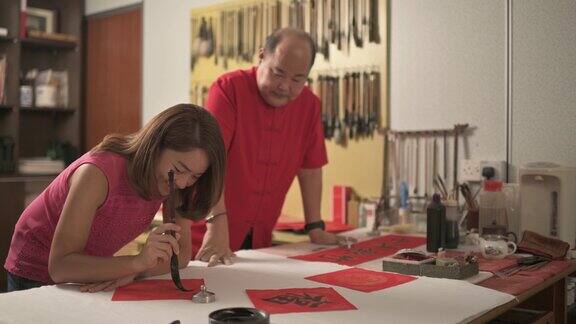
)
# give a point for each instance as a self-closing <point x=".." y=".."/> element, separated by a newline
<point x="492" y="206"/>
<point x="435" y="225"/>
<point x="26" y="92"/>
<point x="404" y="225"/>
<point x="404" y="211"/>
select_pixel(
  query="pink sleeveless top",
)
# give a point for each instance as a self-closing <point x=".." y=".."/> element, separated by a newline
<point x="122" y="217"/>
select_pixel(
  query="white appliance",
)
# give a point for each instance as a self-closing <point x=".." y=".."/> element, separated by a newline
<point x="548" y="201"/>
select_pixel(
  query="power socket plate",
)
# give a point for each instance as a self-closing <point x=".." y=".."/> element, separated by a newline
<point x="470" y="170"/>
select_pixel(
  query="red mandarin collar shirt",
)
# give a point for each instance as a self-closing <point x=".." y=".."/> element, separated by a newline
<point x="266" y="146"/>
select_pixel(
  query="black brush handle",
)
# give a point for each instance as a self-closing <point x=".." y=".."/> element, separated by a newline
<point x="171" y="210"/>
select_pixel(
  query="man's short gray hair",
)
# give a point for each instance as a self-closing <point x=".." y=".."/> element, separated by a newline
<point x="275" y="38"/>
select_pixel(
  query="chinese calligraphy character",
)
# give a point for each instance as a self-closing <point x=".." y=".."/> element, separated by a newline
<point x="363" y="251"/>
<point x="303" y="299"/>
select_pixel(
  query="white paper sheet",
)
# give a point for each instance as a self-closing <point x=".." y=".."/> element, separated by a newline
<point x="425" y="300"/>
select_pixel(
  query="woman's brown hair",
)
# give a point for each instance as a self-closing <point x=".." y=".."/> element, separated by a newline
<point x="181" y="128"/>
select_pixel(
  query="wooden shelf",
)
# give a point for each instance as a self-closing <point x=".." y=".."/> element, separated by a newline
<point x="48" y="110"/>
<point x="5" y="108"/>
<point x="16" y="177"/>
<point x="6" y="39"/>
<point x="42" y="43"/>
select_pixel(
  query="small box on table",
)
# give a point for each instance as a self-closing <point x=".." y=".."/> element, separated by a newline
<point x="428" y="268"/>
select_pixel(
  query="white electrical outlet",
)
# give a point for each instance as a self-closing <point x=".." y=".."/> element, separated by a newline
<point x="499" y="168"/>
<point x="470" y="171"/>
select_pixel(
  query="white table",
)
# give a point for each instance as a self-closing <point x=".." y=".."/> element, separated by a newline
<point x="425" y="300"/>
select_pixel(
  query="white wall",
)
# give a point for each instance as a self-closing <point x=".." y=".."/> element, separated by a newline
<point x="167" y="53"/>
<point x="97" y="6"/>
<point x="544" y="82"/>
<point x="448" y="63"/>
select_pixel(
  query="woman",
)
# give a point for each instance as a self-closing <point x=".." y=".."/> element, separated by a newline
<point x="110" y="195"/>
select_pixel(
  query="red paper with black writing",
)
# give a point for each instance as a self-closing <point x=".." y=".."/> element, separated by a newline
<point x="362" y="279"/>
<point x="298" y="300"/>
<point x="156" y="290"/>
<point x="365" y="251"/>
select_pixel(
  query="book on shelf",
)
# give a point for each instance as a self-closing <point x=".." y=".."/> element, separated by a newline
<point x="3" y="31"/>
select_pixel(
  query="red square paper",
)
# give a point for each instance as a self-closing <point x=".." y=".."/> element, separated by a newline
<point x="156" y="290"/>
<point x="362" y="279"/>
<point x="298" y="300"/>
<point x="365" y="251"/>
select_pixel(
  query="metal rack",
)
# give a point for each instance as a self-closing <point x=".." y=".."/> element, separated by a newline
<point x="421" y="159"/>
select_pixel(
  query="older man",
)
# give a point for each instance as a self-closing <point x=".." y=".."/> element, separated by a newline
<point x="271" y="125"/>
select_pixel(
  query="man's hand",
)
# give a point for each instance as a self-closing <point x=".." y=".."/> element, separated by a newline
<point x="107" y="285"/>
<point x="318" y="236"/>
<point x="215" y="249"/>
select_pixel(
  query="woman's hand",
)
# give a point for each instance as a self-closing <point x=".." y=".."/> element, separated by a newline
<point x="107" y="285"/>
<point x="159" y="247"/>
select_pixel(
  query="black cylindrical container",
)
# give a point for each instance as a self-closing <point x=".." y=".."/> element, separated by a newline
<point x="435" y="225"/>
<point x="239" y="315"/>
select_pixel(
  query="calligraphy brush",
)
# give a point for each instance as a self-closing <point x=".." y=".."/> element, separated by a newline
<point x="467" y="197"/>
<point x="174" y="269"/>
<point x="444" y="192"/>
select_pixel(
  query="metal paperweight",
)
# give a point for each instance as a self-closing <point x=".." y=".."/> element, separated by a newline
<point x="242" y="315"/>
<point x="204" y="296"/>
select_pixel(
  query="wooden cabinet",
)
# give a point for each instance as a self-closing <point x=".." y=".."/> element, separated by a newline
<point x="33" y="129"/>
